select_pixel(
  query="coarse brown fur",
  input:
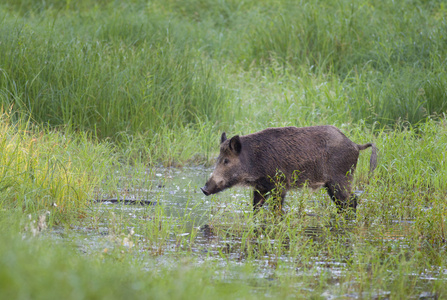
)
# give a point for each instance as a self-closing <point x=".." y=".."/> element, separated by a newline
<point x="313" y="156"/>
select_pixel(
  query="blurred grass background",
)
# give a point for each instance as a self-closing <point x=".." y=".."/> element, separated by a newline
<point x="144" y="67"/>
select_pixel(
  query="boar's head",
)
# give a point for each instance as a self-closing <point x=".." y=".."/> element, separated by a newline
<point x="228" y="170"/>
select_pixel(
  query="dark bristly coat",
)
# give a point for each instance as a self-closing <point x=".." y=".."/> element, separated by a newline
<point x="318" y="156"/>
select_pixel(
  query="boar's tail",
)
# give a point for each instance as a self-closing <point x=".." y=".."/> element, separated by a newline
<point x="373" y="159"/>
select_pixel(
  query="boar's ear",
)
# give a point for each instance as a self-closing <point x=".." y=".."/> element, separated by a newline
<point x="223" y="138"/>
<point x="235" y="144"/>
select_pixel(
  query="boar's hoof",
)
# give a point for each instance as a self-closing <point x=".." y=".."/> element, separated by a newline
<point x="205" y="191"/>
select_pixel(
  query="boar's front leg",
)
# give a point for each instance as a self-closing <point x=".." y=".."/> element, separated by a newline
<point x="258" y="199"/>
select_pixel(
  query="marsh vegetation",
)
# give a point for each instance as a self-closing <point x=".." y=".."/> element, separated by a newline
<point x="127" y="100"/>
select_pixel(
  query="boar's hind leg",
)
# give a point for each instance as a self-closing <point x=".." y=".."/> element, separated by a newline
<point x="340" y="193"/>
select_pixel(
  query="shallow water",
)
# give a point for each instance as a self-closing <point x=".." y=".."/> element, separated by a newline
<point x="178" y="192"/>
<point x="191" y="223"/>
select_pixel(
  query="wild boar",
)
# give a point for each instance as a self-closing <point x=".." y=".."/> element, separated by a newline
<point x="318" y="156"/>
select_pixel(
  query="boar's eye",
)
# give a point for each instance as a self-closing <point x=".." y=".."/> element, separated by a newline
<point x="226" y="161"/>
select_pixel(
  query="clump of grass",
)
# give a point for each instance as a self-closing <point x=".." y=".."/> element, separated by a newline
<point x="44" y="170"/>
<point x="410" y="178"/>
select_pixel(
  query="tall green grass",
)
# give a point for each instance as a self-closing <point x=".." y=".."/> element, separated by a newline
<point x="107" y="83"/>
<point x="139" y="68"/>
<point x="48" y="172"/>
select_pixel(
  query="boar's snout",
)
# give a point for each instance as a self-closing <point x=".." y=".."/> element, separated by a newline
<point x="205" y="191"/>
<point x="211" y="187"/>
